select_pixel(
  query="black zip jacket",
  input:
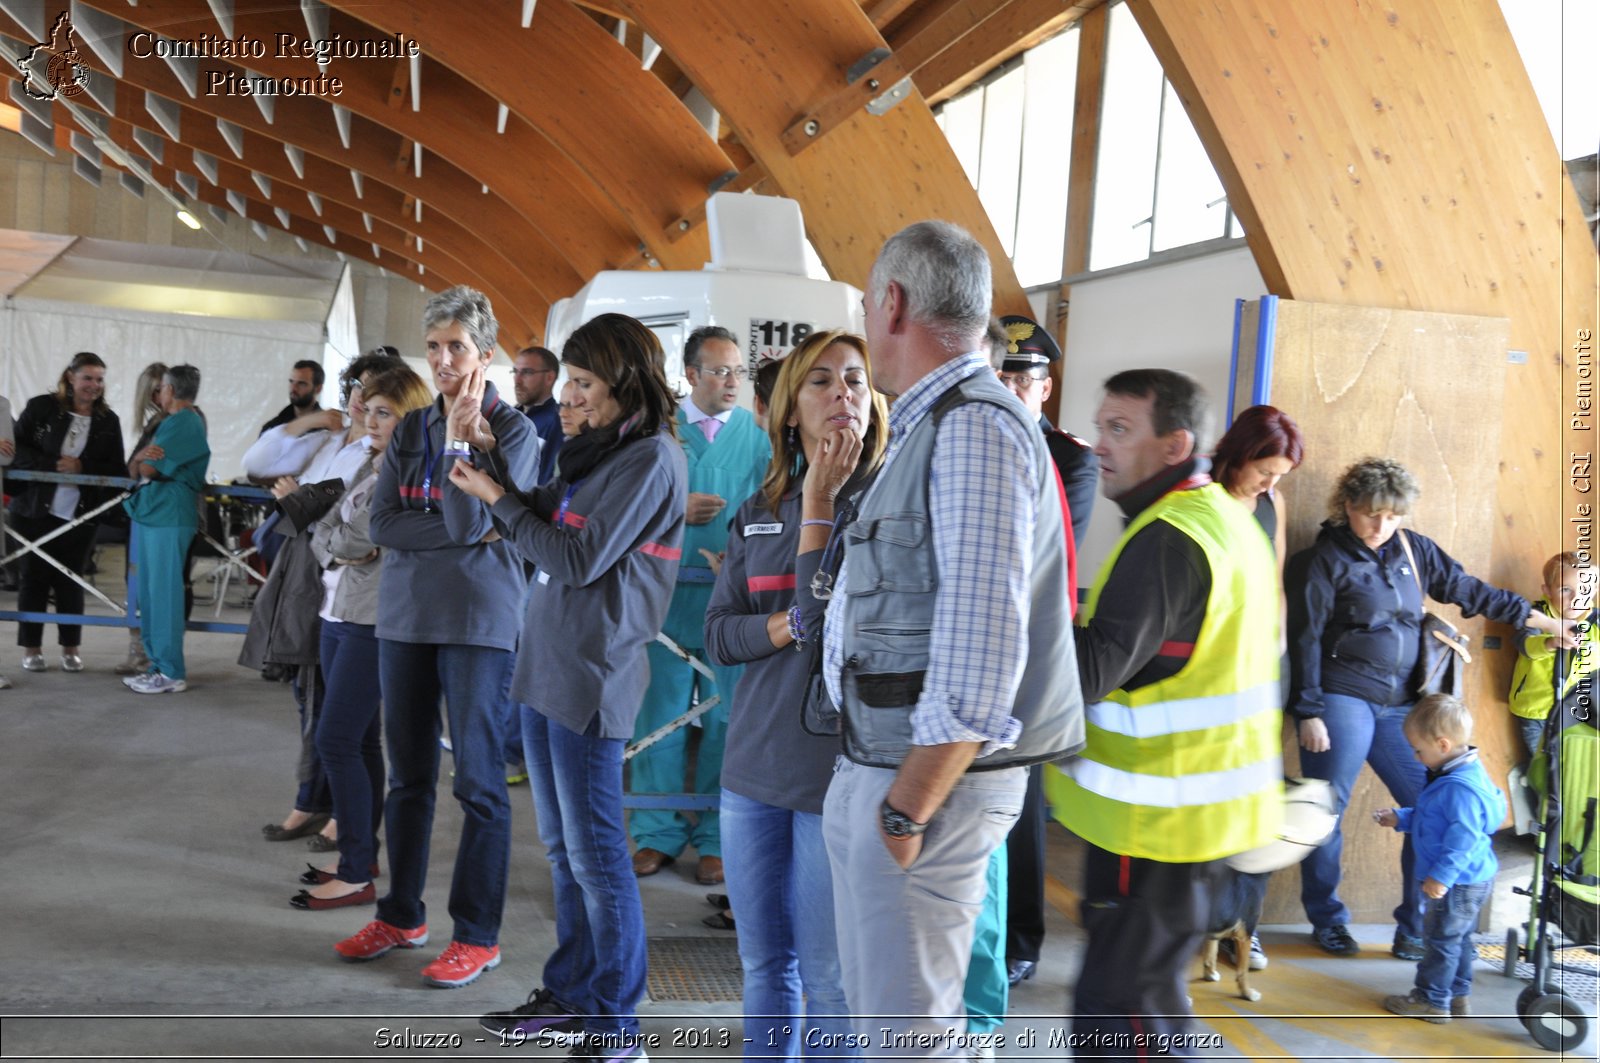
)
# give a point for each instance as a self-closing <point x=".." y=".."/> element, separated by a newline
<point x="1355" y="615"/>
<point x="41" y="430"/>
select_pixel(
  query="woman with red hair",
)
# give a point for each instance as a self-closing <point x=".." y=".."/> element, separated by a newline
<point x="1262" y="447"/>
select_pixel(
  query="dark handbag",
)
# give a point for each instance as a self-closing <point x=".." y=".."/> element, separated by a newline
<point x="1442" y="654"/>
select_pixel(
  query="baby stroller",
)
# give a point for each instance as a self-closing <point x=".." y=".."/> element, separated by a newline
<point x="1565" y="887"/>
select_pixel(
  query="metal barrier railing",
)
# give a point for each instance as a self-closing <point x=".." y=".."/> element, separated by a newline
<point x="128" y="610"/>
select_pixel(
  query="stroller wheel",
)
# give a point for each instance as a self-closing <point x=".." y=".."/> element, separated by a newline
<point x="1557" y="1023"/>
<point x="1508" y="966"/>
<point x="1525" y="1000"/>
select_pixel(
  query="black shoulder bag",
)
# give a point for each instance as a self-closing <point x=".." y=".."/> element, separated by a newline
<point x="1442" y="654"/>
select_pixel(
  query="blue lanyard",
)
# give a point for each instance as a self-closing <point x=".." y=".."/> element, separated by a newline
<point x="427" y="467"/>
<point x="566" y="500"/>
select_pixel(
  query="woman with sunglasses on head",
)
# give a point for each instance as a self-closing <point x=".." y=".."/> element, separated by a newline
<point x="829" y="432"/>
<point x="69" y="430"/>
<point x="606" y="535"/>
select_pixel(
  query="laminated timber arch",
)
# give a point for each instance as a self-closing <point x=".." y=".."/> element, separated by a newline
<point x="1395" y="156"/>
<point x="768" y="64"/>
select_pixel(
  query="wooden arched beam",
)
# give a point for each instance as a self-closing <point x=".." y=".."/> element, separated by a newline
<point x="574" y="82"/>
<point x="457" y="129"/>
<point x="862" y="177"/>
<point x="440" y="270"/>
<point x="309" y="125"/>
<point x="1397" y="157"/>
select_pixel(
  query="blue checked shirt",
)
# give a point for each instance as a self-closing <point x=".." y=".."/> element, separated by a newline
<point x="982" y="496"/>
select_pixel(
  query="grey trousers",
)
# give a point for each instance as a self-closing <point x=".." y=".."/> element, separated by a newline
<point x="905" y="936"/>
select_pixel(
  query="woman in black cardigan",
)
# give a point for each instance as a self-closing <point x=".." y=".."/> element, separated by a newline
<point x="70" y="430"/>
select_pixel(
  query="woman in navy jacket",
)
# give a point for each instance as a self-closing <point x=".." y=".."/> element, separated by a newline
<point x="606" y="535"/>
<point x="1355" y="620"/>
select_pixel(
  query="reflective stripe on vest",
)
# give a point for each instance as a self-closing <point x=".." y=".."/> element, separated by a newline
<point x="1189" y="768"/>
<point x="1183" y="714"/>
<point x="1199" y="789"/>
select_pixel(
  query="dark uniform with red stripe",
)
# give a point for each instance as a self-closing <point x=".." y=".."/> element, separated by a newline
<point x="769" y="756"/>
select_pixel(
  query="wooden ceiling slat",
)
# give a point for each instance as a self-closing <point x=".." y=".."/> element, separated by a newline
<point x="864" y="179"/>
<point x="618" y="122"/>
<point x="961" y="49"/>
<point x="457" y="126"/>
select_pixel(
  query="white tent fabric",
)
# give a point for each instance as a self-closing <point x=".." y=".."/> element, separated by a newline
<point x="244" y="320"/>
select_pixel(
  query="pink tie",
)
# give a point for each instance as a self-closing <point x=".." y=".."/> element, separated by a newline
<point x="711" y="426"/>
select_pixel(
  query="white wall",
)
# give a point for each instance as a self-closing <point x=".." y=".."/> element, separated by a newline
<point x="1171" y="316"/>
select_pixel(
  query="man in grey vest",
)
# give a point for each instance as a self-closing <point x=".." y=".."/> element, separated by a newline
<point x="948" y="647"/>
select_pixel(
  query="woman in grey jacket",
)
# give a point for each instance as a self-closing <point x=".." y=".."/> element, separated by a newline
<point x="348" y="730"/>
<point x="828" y="427"/>
<point x="606" y="535"/>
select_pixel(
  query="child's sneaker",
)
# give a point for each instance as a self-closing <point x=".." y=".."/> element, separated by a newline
<point x="1415" y="1007"/>
<point x="460" y="964"/>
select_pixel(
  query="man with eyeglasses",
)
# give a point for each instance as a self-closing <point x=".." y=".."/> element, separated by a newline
<point x="533" y="378"/>
<point x="728" y="456"/>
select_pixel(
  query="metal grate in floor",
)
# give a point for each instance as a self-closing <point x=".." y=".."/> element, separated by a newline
<point x="1578" y="976"/>
<point x="699" y="969"/>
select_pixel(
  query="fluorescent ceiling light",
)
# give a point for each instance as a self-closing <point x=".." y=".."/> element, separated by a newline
<point x="189" y="219"/>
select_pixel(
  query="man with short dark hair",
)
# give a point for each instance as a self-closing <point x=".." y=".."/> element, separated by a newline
<point x="1177" y="654"/>
<point x="533" y="379"/>
<point x="305" y="385"/>
<point x="948" y="646"/>
<point x="728" y="456"/>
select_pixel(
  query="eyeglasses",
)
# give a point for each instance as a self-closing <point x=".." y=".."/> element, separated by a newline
<point x="723" y="372"/>
<point x="1023" y="381"/>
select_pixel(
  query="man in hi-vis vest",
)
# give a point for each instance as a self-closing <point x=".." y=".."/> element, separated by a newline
<point x="1178" y="657"/>
<point x="947" y="647"/>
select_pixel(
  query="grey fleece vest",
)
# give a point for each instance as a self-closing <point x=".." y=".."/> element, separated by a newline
<point x="891" y="582"/>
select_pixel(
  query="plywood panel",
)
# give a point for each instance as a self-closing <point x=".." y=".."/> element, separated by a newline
<point x="1395" y="155"/>
<point x="1423" y="389"/>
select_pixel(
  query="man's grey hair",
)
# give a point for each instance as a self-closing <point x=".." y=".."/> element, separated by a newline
<point x="185" y="381"/>
<point x="470" y="309"/>
<point x="697" y="340"/>
<point x="946" y="278"/>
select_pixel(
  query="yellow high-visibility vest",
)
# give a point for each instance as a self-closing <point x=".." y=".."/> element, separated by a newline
<point x="1190" y="768"/>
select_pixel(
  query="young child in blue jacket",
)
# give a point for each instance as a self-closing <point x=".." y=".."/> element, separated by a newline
<point x="1456" y="812"/>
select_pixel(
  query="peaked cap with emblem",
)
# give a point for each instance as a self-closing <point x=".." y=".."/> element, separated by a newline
<point x="1030" y="346"/>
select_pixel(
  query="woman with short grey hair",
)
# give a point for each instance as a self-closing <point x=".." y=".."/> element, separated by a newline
<point x="1356" y="600"/>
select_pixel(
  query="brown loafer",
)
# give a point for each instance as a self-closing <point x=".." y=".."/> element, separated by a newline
<point x="648" y="861"/>
<point x="709" y="871"/>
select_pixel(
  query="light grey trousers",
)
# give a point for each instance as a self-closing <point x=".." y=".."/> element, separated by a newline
<point x="905" y="935"/>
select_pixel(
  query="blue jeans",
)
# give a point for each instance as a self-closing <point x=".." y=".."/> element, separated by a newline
<point x="780" y="886"/>
<point x="598" y="967"/>
<point x="350" y="744"/>
<point x="1445" y="970"/>
<point x="474" y="682"/>
<point x="1361" y="731"/>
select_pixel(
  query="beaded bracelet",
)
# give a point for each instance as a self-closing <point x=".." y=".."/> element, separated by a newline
<point x="797" y="627"/>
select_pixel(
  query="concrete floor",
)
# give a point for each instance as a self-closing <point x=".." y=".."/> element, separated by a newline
<point x="146" y="917"/>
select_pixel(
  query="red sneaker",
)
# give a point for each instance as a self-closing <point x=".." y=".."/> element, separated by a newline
<point x="459" y="964"/>
<point x="377" y="938"/>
